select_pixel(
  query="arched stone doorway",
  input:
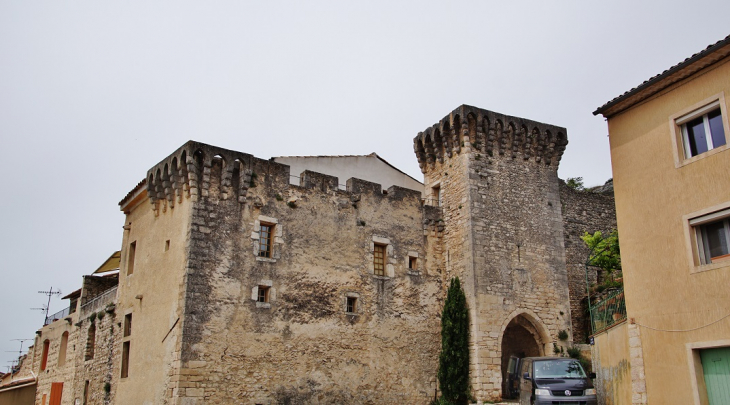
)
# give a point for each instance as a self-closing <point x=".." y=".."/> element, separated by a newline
<point x="521" y="338"/>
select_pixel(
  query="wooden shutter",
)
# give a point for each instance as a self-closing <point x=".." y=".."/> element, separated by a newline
<point x="56" y="391"/>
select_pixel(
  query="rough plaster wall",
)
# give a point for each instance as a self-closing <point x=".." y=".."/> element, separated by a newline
<point x="305" y="348"/>
<point x="583" y="211"/>
<point x="612" y="365"/>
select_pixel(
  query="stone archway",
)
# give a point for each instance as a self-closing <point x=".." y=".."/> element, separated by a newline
<point x="521" y="338"/>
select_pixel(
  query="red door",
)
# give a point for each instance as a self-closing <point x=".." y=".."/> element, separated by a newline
<point x="56" y="391"/>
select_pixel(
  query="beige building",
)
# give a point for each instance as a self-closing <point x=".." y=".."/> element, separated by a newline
<point x="669" y="146"/>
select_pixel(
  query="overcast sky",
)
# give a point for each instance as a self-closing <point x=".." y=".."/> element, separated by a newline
<point x="92" y="94"/>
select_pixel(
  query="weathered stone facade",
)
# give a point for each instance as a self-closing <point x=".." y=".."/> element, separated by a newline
<point x="584" y="211"/>
<point x="247" y="289"/>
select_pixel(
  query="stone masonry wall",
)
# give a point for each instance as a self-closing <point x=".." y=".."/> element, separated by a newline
<point x="103" y="367"/>
<point x="503" y="228"/>
<point x="583" y="211"/>
<point x="302" y="346"/>
<point x="76" y="369"/>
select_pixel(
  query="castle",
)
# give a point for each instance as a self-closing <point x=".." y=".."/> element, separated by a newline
<point x="247" y="283"/>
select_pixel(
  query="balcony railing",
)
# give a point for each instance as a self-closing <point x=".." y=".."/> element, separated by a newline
<point x="98" y="303"/>
<point x="610" y="311"/>
<point x="58" y="315"/>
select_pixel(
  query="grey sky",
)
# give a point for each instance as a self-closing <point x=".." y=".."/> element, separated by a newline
<point x="92" y="94"/>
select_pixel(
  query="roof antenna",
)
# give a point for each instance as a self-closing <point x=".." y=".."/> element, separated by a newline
<point x="44" y="308"/>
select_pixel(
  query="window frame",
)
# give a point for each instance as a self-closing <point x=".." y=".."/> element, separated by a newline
<point x="267" y="287"/>
<point x="678" y="121"/>
<point x="693" y="223"/>
<point x="388" y="257"/>
<point x="263" y="294"/>
<point x="275" y="240"/>
<point x="382" y="249"/>
<point x="266" y="249"/>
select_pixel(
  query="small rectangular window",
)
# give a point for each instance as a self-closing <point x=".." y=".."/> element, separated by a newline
<point x="412" y="263"/>
<point x="379" y="260"/>
<point x="130" y="257"/>
<point x="712" y="233"/>
<point x="351" y="305"/>
<point x="702" y="130"/>
<point x="127" y="325"/>
<point x="263" y="294"/>
<point x="167" y="245"/>
<point x="125" y="360"/>
<point x="265" y="238"/>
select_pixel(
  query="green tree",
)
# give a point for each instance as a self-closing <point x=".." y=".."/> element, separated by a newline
<point x="453" y="371"/>
<point x="576" y="183"/>
<point x="605" y="251"/>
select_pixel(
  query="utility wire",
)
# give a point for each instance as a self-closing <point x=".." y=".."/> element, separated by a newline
<point x="683" y="330"/>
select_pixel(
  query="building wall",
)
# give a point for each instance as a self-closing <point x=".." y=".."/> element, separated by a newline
<point x="665" y="291"/>
<point x="368" y="167"/>
<point x="612" y="365"/>
<point x="19" y="396"/>
<point x="503" y="232"/>
<point x="99" y="369"/>
<point x="583" y="211"/>
<point x="302" y="346"/>
<point x="152" y="294"/>
<point x="55" y="372"/>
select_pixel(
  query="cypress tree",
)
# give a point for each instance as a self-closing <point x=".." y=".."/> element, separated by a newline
<point x="453" y="371"/>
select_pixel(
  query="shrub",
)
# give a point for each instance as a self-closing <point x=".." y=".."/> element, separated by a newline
<point x="453" y="373"/>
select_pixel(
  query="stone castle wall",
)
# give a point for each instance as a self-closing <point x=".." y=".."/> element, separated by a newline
<point x="302" y="345"/>
<point x="583" y="211"/>
<point x="503" y="231"/>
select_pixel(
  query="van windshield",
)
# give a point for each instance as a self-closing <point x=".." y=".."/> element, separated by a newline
<point x="558" y="369"/>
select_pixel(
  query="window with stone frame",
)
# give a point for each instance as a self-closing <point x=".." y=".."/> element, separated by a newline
<point x="266" y="233"/>
<point x="267" y="239"/>
<point x="379" y="260"/>
<point x="263" y="293"/>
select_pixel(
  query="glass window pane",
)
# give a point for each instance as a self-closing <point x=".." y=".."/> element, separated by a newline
<point x="696" y="136"/>
<point x="716" y="130"/>
<point x="716" y="240"/>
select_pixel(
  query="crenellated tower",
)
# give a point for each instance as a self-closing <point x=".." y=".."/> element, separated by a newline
<point x="495" y="178"/>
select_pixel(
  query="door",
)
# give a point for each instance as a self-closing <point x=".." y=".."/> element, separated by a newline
<point x="56" y="391"/>
<point x="525" y="385"/>
<point x="716" y="369"/>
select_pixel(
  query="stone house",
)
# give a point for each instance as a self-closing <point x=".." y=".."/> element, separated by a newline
<point x="669" y="141"/>
<point x="245" y="286"/>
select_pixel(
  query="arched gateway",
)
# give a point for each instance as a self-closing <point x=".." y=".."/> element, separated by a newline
<point x="524" y="336"/>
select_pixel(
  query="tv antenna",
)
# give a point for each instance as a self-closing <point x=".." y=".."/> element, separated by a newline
<point x="20" y="353"/>
<point x="50" y="293"/>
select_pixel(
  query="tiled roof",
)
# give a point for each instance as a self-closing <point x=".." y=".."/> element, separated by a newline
<point x="648" y="88"/>
<point x="134" y="190"/>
